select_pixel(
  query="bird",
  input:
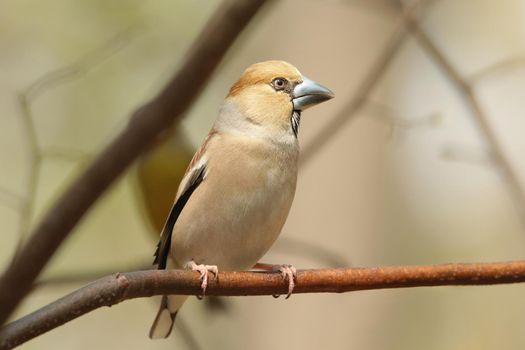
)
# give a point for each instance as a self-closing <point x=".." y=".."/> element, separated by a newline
<point x="238" y="189"/>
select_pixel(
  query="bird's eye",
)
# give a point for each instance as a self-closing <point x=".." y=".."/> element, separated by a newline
<point x="279" y="83"/>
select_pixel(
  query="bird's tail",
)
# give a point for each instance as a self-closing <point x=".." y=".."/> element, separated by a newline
<point x="163" y="323"/>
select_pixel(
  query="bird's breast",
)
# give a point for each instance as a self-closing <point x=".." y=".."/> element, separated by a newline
<point x="236" y="214"/>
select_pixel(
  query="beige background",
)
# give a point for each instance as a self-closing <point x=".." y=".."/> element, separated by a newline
<point x="424" y="192"/>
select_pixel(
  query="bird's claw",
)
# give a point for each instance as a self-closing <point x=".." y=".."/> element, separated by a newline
<point x="288" y="272"/>
<point x="204" y="271"/>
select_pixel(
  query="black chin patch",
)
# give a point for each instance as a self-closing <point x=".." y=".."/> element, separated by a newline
<point x="295" y="121"/>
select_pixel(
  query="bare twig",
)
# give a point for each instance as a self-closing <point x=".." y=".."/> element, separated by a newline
<point x="25" y="99"/>
<point x="395" y="122"/>
<point x="465" y="154"/>
<point x="516" y="191"/>
<point x="87" y="62"/>
<point x="498" y="67"/>
<point x="350" y="110"/>
<point x="84" y="277"/>
<point x="116" y="288"/>
<point x="35" y="160"/>
<point x="145" y="125"/>
<point x="367" y="85"/>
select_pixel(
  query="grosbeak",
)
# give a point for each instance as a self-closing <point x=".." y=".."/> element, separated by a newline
<point x="238" y="189"/>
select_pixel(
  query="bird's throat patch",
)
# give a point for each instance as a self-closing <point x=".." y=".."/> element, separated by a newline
<point x="296" y="121"/>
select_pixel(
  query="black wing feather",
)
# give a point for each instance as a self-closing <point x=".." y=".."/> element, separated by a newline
<point x="163" y="247"/>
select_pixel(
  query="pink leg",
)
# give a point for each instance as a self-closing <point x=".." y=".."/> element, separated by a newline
<point x="204" y="271"/>
<point x="288" y="272"/>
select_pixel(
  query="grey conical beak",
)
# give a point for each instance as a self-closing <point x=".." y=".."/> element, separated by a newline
<point x="309" y="93"/>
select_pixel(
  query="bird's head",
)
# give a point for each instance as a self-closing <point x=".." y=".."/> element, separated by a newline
<point x="272" y="95"/>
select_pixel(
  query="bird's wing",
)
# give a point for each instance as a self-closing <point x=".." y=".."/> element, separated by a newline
<point x="194" y="179"/>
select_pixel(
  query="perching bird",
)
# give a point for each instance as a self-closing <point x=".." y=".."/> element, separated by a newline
<point x="234" y="199"/>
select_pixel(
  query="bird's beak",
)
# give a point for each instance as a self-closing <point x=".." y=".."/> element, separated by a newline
<point x="309" y="93"/>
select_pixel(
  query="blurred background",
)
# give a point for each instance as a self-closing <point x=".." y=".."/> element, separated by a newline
<point x="418" y="160"/>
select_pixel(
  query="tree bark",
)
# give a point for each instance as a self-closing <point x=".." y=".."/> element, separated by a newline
<point x="116" y="288"/>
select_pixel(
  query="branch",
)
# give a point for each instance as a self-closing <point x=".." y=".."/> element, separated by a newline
<point x="498" y="67"/>
<point x="352" y="107"/>
<point x="357" y="101"/>
<point x="371" y="79"/>
<point x="116" y="288"/>
<point x="28" y="96"/>
<point x="289" y="245"/>
<point x="145" y="125"/>
<point x="516" y="191"/>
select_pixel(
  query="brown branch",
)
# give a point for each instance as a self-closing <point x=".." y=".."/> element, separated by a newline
<point x="516" y="191"/>
<point x="145" y="125"/>
<point x="116" y="288"/>
<point x="289" y="245"/>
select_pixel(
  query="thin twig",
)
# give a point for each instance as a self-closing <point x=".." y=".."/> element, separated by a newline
<point x="145" y="125"/>
<point x="465" y="154"/>
<point x="87" y="62"/>
<point x="350" y="110"/>
<point x="35" y="160"/>
<point x="516" y="191"/>
<point x="498" y="67"/>
<point x="394" y="120"/>
<point x="83" y="277"/>
<point x="367" y="85"/>
<point x="41" y="85"/>
<point x="116" y="288"/>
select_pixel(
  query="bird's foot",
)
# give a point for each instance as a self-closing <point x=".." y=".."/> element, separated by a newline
<point x="288" y="272"/>
<point x="204" y="271"/>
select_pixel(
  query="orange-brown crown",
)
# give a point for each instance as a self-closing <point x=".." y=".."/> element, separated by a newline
<point x="265" y="72"/>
